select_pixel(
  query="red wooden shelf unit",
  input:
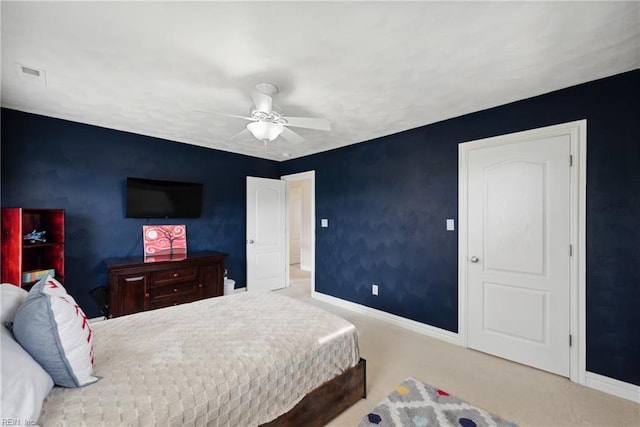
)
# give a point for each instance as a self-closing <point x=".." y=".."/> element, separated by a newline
<point x="21" y="257"/>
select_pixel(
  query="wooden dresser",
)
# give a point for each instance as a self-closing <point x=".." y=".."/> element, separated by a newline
<point x="136" y="285"/>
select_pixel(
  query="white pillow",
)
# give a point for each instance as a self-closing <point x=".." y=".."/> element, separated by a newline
<point x="54" y="330"/>
<point x="24" y="385"/>
<point x="11" y="297"/>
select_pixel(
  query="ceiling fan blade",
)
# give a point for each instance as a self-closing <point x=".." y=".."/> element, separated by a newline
<point x="217" y="113"/>
<point x="237" y="117"/>
<point x="224" y="114"/>
<point x="262" y="102"/>
<point x="308" y="122"/>
<point x="291" y="136"/>
<point x="240" y="135"/>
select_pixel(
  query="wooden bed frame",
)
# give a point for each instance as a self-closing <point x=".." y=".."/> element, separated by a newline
<point x="327" y="401"/>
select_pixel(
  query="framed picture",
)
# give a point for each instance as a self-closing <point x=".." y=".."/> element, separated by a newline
<point x="164" y="242"/>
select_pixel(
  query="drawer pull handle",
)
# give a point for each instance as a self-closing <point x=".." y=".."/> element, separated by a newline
<point x="199" y="285"/>
<point x="175" y="274"/>
<point x="175" y="290"/>
<point x="146" y="295"/>
<point x="134" y="279"/>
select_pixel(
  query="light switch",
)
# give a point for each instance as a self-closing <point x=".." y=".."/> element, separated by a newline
<point x="324" y="223"/>
<point x="450" y="225"/>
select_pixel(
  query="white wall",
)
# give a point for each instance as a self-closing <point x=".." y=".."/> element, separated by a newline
<point x="306" y="263"/>
<point x="295" y="221"/>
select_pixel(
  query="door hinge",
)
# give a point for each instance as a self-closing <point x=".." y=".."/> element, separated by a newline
<point x="570" y="340"/>
<point x="570" y="250"/>
<point x="570" y="160"/>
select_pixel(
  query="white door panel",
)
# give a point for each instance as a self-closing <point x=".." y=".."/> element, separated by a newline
<point x="519" y="231"/>
<point x="504" y="303"/>
<point x="266" y="232"/>
<point x="515" y="218"/>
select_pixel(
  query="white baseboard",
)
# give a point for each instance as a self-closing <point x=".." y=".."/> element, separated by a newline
<point x="96" y="319"/>
<point x="243" y="289"/>
<point x="612" y="386"/>
<point x="412" y="325"/>
<point x="598" y="382"/>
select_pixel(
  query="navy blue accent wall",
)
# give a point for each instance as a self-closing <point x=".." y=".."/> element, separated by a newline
<point x="387" y="201"/>
<point x="51" y="163"/>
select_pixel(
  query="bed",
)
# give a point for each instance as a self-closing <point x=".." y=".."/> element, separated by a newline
<point x="248" y="359"/>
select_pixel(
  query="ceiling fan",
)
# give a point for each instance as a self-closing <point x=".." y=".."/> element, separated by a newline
<point x="267" y="121"/>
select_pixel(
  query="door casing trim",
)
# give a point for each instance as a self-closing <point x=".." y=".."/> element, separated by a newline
<point x="577" y="131"/>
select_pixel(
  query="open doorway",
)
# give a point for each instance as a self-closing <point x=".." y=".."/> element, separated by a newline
<point x="301" y="236"/>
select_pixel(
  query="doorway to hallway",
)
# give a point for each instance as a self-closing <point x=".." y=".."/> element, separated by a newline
<point x="301" y="230"/>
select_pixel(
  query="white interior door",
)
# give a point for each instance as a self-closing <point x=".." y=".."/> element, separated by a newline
<point x="266" y="233"/>
<point x="518" y="251"/>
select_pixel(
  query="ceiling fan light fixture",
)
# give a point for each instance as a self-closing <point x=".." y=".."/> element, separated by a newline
<point x="265" y="131"/>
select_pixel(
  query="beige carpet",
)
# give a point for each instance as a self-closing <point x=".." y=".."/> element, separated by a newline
<point x="523" y="395"/>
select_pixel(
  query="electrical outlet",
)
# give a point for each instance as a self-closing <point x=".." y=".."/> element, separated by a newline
<point x="374" y="289"/>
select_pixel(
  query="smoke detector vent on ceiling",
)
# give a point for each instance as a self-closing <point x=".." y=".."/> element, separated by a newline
<point x="31" y="74"/>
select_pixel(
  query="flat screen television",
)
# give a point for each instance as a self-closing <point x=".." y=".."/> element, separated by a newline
<point x="150" y="198"/>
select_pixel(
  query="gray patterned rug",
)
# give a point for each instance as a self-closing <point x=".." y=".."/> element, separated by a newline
<point x="413" y="403"/>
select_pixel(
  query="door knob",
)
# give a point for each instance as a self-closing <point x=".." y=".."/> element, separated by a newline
<point x="474" y="259"/>
<point x="250" y="241"/>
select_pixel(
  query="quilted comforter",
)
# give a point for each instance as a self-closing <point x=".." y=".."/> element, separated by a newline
<point x="238" y="360"/>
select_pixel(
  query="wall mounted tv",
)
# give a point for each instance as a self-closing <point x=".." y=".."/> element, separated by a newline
<point x="150" y="198"/>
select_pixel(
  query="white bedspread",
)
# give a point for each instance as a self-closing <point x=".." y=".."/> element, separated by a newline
<point x="238" y="360"/>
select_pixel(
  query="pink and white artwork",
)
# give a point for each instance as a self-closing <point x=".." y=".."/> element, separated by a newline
<point x="164" y="242"/>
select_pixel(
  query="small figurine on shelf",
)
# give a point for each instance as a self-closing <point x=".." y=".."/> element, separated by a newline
<point x="35" y="237"/>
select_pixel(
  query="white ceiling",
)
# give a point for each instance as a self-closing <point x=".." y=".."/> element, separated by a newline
<point x="371" y="68"/>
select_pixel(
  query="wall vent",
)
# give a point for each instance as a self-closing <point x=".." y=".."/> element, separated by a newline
<point x="31" y="74"/>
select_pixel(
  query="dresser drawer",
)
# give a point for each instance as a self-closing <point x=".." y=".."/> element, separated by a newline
<point x="178" y="299"/>
<point x="174" y="289"/>
<point x="174" y="275"/>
